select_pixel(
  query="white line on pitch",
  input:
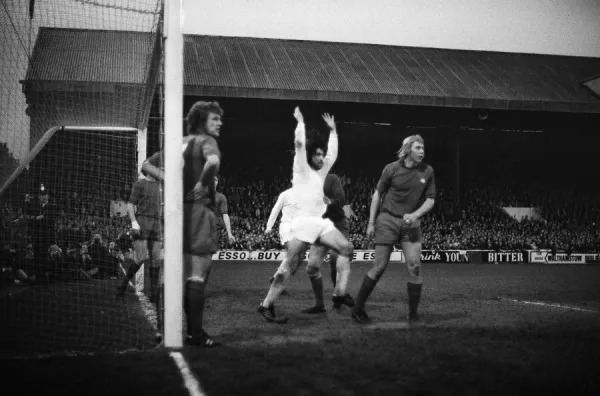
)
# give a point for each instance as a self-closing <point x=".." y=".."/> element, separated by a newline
<point x="552" y="305"/>
<point x="189" y="380"/>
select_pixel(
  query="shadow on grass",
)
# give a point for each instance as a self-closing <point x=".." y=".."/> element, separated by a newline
<point x="548" y="359"/>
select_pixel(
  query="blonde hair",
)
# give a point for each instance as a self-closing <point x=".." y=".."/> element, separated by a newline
<point x="407" y="145"/>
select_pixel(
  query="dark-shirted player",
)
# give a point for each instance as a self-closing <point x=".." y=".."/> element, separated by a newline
<point x="202" y="160"/>
<point x="223" y="210"/>
<point x="145" y="213"/>
<point x="335" y="200"/>
<point x="405" y="192"/>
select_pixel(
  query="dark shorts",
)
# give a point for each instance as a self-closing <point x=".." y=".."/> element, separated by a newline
<point x="390" y="229"/>
<point x="150" y="229"/>
<point x="200" y="233"/>
<point x="344" y="227"/>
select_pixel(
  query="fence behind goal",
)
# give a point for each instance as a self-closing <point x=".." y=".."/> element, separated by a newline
<point x="77" y="82"/>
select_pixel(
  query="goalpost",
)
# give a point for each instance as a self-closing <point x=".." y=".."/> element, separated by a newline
<point x="173" y="191"/>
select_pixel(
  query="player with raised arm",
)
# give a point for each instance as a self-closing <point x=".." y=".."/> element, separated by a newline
<point x="405" y="192"/>
<point x="312" y="161"/>
<point x="202" y="160"/>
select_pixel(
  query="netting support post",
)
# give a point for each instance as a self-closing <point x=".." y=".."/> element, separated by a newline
<point x="142" y="135"/>
<point x="173" y="185"/>
<point x="142" y="139"/>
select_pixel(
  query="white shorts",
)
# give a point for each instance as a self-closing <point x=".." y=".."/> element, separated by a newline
<point x="285" y="233"/>
<point x="309" y="229"/>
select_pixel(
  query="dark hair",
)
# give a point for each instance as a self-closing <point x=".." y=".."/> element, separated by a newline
<point x="314" y="141"/>
<point x="198" y="114"/>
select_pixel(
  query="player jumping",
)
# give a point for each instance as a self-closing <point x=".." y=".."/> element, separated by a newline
<point x="405" y="192"/>
<point x="312" y="162"/>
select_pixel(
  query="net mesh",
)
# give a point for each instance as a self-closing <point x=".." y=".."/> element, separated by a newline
<point x="77" y="82"/>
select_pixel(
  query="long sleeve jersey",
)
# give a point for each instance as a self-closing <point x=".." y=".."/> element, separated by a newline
<point x="307" y="183"/>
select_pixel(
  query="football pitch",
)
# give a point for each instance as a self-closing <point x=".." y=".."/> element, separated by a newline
<point x="506" y="329"/>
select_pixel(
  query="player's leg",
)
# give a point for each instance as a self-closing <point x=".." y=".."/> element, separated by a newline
<point x="284" y="242"/>
<point x="344" y="227"/>
<point x="333" y="256"/>
<point x="387" y="231"/>
<point x="335" y="240"/>
<point x="294" y="255"/>
<point x="156" y="284"/>
<point x="198" y="268"/>
<point x="313" y="270"/>
<point x="133" y="263"/>
<point x="411" y="246"/>
<point x="200" y="241"/>
<point x="154" y="259"/>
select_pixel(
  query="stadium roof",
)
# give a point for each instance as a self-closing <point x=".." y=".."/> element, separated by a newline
<point x="346" y="72"/>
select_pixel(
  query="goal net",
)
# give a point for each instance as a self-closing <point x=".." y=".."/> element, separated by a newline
<point x="78" y="81"/>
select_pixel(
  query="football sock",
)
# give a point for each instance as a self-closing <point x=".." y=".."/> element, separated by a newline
<point x="278" y="285"/>
<point x="414" y="296"/>
<point x="366" y="288"/>
<point x="317" y="286"/>
<point x="131" y="271"/>
<point x="195" y="307"/>
<point x="333" y="268"/>
<point x="343" y="273"/>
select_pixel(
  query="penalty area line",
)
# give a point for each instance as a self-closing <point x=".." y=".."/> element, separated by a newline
<point x="189" y="379"/>
<point x="549" y="305"/>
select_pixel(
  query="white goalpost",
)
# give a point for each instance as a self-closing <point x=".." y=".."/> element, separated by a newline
<point x="173" y="187"/>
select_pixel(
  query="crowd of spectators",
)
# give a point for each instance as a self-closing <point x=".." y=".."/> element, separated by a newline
<point x="569" y="221"/>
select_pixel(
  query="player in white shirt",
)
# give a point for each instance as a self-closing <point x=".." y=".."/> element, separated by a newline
<point x="312" y="162"/>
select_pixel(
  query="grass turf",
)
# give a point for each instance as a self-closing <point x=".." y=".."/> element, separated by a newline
<point x="474" y="343"/>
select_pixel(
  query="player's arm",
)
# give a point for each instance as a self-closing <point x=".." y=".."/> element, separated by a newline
<point x="210" y="151"/>
<point x="424" y="208"/>
<point x="224" y="210"/>
<point x="152" y="166"/>
<point x="275" y="213"/>
<point x="332" y="145"/>
<point x="134" y="199"/>
<point x="300" y="160"/>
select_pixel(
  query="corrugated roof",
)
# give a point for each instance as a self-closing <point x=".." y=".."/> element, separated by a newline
<point x="96" y="77"/>
<point x="291" y="69"/>
<point x="309" y="70"/>
<point x="79" y="55"/>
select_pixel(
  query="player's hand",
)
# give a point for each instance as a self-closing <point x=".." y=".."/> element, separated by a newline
<point x="326" y="200"/>
<point x="268" y="231"/>
<point x="231" y="238"/>
<point x="410" y="218"/>
<point x="135" y="226"/>
<point x="370" y="230"/>
<point x="197" y="192"/>
<point x="329" y="120"/>
<point x="298" y="114"/>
